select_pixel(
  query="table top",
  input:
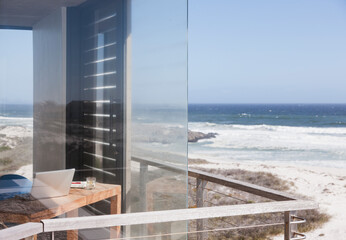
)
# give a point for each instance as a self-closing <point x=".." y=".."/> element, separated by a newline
<point x="22" y="211"/>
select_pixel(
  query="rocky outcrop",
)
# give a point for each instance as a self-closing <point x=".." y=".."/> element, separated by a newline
<point x="195" y="136"/>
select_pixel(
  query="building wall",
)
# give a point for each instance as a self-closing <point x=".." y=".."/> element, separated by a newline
<point x="49" y="49"/>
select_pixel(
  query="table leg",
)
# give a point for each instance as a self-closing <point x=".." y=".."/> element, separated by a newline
<point x="34" y="237"/>
<point x="115" y="209"/>
<point x="72" y="234"/>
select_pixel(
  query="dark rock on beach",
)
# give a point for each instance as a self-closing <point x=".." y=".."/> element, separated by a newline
<point x="195" y="136"/>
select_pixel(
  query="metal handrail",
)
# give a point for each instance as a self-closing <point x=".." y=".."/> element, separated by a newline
<point x="298" y="236"/>
<point x="235" y="184"/>
<point x="173" y="215"/>
<point x="300" y="219"/>
<point x="228" y="182"/>
<point x="242" y="186"/>
<point x="65" y="224"/>
<point x="21" y="231"/>
<point x="285" y="203"/>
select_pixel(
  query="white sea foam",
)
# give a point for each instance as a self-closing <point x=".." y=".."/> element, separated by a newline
<point x="14" y="121"/>
<point x="14" y="118"/>
<point x="271" y="143"/>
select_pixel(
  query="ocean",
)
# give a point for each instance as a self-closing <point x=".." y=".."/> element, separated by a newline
<point x="312" y="134"/>
<point x="16" y="115"/>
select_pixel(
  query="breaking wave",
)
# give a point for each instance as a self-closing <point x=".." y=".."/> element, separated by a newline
<point x="315" y="145"/>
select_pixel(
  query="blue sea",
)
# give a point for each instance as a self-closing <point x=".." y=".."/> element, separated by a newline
<point x="16" y="115"/>
<point x="313" y="134"/>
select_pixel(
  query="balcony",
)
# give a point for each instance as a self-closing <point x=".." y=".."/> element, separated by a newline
<point x="276" y="202"/>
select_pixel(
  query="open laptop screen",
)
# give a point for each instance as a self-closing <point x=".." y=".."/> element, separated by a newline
<point x="52" y="184"/>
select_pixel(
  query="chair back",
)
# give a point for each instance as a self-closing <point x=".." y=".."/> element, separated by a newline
<point x="13" y="184"/>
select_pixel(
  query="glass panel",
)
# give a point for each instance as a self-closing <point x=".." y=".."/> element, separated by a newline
<point x="159" y="110"/>
<point x="16" y="111"/>
<point x="95" y="89"/>
<point x="102" y="88"/>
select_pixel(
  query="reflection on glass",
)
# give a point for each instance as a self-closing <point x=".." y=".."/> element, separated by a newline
<point x="159" y="111"/>
<point x="95" y="87"/>
<point x="16" y="112"/>
<point x="89" y="108"/>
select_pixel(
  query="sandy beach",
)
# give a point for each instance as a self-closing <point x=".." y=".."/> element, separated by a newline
<point x="15" y="148"/>
<point x="326" y="186"/>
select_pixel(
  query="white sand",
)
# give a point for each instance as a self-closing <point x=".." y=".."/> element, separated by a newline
<point x="11" y="135"/>
<point x="19" y="140"/>
<point x="26" y="171"/>
<point x="326" y="186"/>
<point x="16" y="131"/>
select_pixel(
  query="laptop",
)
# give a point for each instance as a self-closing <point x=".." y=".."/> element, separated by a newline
<point x="52" y="183"/>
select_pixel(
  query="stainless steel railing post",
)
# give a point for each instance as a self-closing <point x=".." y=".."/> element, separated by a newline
<point x="290" y="228"/>
<point x="201" y="223"/>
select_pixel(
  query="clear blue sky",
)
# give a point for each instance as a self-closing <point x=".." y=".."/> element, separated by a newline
<point x="16" y="67"/>
<point x="267" y="51"/>
<point x="240" y="51"/>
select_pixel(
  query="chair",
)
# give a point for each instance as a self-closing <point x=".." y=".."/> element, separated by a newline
<point x="13" y="184"/>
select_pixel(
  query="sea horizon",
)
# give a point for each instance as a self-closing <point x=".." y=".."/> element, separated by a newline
<point x="313" y="134"/>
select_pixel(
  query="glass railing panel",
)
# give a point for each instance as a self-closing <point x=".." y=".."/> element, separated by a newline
<point x="105" y="85"/>
<point x="159" y="110"/>
<point x="16" y="112"/>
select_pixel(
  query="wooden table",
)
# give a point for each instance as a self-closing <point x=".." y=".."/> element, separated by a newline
<point x="22" y="211"/>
